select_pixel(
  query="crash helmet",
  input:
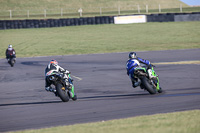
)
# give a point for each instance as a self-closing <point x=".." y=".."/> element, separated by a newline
<point x="132" y="55"/>
<point x="9" y="46"/>
<point x="54" y="62"/>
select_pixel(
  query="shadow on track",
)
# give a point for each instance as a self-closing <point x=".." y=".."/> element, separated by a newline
<point x="114" y="96"/>
<point x="107" y="97"/>
<point x="33" y="63"/>
<point x="184" y="89"/>
<point x="181" y="94"/>
<point x="31" y="103"/>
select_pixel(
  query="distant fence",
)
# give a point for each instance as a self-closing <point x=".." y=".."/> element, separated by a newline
<point x="43" y="23"/>
<point x="90" y="11"/>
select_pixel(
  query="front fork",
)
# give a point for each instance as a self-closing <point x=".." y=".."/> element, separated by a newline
<point x="71" y="91"/>
<point x="154" y="74"/>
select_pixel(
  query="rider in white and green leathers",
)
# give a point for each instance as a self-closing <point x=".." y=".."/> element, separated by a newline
<point x="53" y="66"/>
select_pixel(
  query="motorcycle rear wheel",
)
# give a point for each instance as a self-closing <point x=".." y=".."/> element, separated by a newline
<point x="62" y="92"/>
<point x="148" y="86"/>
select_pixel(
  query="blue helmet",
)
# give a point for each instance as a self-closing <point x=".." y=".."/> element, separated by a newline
<point x="132" y="55"/>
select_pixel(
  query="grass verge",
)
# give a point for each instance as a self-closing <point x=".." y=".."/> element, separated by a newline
<point x="101" y="38"/>
<point x="177" y="122"/>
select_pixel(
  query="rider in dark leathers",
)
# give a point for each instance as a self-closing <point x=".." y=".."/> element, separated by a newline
<point x="10" y="52"/>
<point x="133" y="63"/>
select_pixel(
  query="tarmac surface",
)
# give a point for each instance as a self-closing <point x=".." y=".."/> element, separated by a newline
<point x="103" y="88"/>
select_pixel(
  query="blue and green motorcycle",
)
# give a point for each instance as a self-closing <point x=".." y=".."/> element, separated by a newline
<point x="149" y="79"/>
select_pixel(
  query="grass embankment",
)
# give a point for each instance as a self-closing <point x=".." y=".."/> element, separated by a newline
<point x="87" y="4"/>
<point x="27" y="9"/>
<point x="178" y="122"/>
<point x="101" y="39"/>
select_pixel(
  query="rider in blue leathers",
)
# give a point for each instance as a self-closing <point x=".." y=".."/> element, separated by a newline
<point x="133" y="63"/>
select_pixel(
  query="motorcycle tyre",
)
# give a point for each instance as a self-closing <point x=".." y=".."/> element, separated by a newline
<point x="74" y="98"/>
<point x="61" y="93"/>
<point x="12" y="62"/>
<point x="148" y="86"/>
<point x="160" y="90"/>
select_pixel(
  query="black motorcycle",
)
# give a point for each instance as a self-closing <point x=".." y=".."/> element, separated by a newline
<point x="61" y="89"/>
<point x="11" y="59"/>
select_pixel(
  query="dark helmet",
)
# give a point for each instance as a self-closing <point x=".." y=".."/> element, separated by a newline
<point x="54" y="62"/>
<point x="132" y="55"/>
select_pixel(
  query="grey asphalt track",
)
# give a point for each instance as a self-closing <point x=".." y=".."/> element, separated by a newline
<point x="103" y="88"/>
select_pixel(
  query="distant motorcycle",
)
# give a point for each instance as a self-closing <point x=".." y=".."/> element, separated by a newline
<point x="11" y="59"/>
<point x="61" y="90"/>
<point x="147" y="82"/>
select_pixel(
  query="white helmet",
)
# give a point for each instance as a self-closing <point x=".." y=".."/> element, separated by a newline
<point x="9" y="46"/>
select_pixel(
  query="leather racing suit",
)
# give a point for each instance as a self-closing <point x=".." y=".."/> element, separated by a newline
<point x="58" y="69"/>
<point x="10" y="52"/>
<point x="130" y="67"/>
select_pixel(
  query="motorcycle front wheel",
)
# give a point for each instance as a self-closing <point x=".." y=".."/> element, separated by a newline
<point x="12" y="62"/>
<point x="60" y="89"/>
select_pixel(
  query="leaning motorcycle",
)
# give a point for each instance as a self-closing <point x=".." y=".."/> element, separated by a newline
<point x="149" y="79"/>
<point x="65" y="92"/>
<point x="12" y="60"/>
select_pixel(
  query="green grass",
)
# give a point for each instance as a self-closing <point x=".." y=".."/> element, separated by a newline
<point x="178" y="122"/>
<point x="101" y="38"/>
<point x="57" y="4"/>
<point x="90" y="7"/>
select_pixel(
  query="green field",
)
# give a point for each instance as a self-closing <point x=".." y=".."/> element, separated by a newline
<point x="53" y="4"/>
<point x="101" y="38"/>
<point x="27" y="9"/>
<point x="178" y="122"/>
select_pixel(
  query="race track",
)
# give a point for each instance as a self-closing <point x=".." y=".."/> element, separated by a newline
<point x="103" y="88"/>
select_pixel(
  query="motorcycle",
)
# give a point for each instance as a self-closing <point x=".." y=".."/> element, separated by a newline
<point x="65" y="92"/>
<point x="149" y="79"/>
<point x="11" y="60"/>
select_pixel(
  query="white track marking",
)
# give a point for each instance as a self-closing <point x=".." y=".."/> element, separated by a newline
<point x="79" y="79"/>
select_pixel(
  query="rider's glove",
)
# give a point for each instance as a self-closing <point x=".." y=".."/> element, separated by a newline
<point x="150" y="66"/>
<point x="67" y="72"/>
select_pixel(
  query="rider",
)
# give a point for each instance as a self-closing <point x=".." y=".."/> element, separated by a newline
<point x="10" y="52"/>
<point x="132" y="64"/>
<point x="53" y="66"/>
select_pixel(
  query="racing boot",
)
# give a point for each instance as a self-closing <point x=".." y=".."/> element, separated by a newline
<point x="135" y="82"/>
<point x="49" y="88"/>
